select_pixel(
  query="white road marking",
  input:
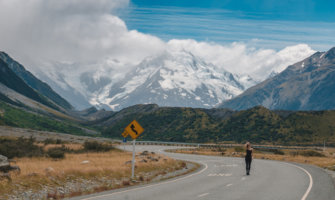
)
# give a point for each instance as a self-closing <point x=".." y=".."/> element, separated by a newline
<point x="219" y="174"/>
<point x="233" y="165"/>
<point x="310" y="181"/>
<point x="149" y="186"/>
<point x="229" y="185"/>
<point x="243" y="178"/>
<point x="202" y="195"/>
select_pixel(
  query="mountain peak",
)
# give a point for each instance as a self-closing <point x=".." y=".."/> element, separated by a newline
<point x="330" y="54"/>
<point x="174" y="78"/>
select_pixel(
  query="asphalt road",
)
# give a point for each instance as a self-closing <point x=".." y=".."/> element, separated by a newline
<point x="224" y="178"/>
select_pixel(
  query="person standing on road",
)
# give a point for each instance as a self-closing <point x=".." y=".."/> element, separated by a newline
<point x="248" y="157"/>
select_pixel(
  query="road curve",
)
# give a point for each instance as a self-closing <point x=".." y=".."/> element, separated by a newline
<point x="224" y="178"/>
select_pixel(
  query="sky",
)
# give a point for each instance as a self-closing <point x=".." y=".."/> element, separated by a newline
<point x="261" y="23"/>
<point x="110" y="37"/>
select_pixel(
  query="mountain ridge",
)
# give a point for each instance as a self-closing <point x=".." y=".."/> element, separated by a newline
<point x="305" y="85"/>
<point x="258" y="125"/>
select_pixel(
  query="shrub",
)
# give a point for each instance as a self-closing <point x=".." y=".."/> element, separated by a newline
<point x="311" y="153"/>
<point x="19" y="148"/>
<point x="97" y="147"/>
<point x="56" y="153"/>
<point x="239" y="149"/>
<point x="52" y="141"/>
<point x="274" y="151"/>
<point x="278" y="152"/>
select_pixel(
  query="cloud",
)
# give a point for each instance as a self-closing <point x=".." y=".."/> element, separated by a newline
<point x="87" y="35"/>
<point x="240" y="58"/>
<point x="78" y="31"/>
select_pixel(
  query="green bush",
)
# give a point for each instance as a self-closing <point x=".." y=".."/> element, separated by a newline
<point x="20" y="148"/>
<point x="56" y="153"/>
<point x="52" y="141"/>
<point x="239" y="149"/>
<point x="97" y="147"/>
<point x="278" y="152"/>
<point x="274" y="151"/>
<point x="311" y="153"/>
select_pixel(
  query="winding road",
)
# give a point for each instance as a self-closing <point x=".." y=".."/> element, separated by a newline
<point x="224" y="178"/>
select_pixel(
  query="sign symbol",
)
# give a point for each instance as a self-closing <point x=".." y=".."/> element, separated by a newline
<point x="133" y="129"/>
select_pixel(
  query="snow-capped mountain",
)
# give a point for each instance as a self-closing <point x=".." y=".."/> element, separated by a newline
<point x="173" y="79"/>
<point x="169" y="79"/>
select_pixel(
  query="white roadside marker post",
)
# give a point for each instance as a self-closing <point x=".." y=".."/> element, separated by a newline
<point x="133" y="161"/>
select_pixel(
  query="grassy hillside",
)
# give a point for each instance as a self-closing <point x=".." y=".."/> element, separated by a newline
<point x="16" y="117"/>
<point x="258" y="125"/>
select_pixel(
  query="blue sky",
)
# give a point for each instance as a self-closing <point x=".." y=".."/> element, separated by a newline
<point x="260" y="23"/>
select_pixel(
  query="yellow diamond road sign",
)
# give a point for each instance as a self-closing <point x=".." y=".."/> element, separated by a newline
<point x="134" y="129"/>
<point x="125" y="134"/>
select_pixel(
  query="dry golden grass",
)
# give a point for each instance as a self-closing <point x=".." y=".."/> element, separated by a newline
<point x="325" y="162"/>
<point x="111" y="161"/>
<point x="72" y="162"/>
<point x="39" y="172"/>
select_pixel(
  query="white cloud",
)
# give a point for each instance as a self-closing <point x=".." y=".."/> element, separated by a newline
<point x="72" y="31"/>
<point x="88" y="36"/>
<point x="243" y="59"/>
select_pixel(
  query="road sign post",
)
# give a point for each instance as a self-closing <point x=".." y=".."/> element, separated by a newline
<point x="134" y="129"/>
<point x="124" y="143"/>
<point x="133" y="161"/>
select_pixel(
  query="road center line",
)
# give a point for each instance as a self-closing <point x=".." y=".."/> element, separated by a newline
<point x="202" y="195"/>
<point x="229" y="185"/>
<point x="310" y="180"/>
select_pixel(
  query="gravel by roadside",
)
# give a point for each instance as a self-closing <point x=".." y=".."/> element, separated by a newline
<point x="332" y="174"/>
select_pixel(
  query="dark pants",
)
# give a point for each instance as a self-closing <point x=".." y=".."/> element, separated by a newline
<point x="248" y="164"/>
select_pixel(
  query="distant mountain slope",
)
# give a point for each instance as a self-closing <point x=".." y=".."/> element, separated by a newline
<point x="306" y="85"/>
<point x="33" y="82"/>
<point x="12" y="81"/>
<point x="258" y="125"/>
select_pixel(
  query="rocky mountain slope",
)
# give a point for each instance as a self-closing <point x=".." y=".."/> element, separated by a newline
<point x="306" y="85"/>
<point x="10" y="83"/>
<point x="34" y="82"/>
